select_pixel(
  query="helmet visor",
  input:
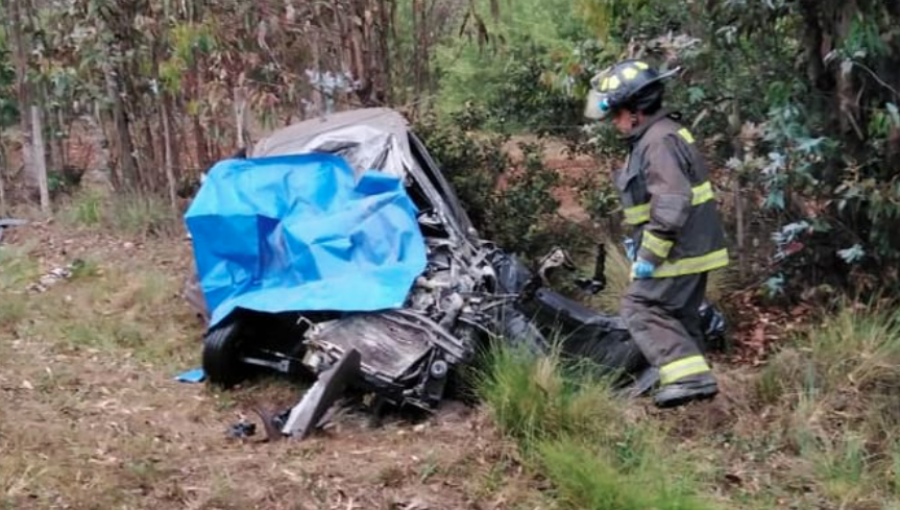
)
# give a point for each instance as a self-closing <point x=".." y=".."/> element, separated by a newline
<point x="597" y="105"/>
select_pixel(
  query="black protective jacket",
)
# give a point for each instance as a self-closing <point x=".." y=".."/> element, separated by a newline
<point x="669" y="200"/>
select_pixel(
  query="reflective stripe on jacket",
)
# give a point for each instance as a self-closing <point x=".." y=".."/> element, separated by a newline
<point x="669" y="200"/>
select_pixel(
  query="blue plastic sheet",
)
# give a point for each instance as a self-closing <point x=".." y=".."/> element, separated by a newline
<point x="300" y="233"/>
<point x="196" y="375"/>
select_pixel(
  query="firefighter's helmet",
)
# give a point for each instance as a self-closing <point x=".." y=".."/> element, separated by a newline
<point x="631" y="84"/>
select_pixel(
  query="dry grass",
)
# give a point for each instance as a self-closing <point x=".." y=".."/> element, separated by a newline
<point x="816" y="428"/>
<point x="91" y="418"/>
<point x="837" y="389"/>
<point x="133" y="216"/>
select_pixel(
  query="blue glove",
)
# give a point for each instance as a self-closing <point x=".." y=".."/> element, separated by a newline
<point x="643" y="269"/>
<point x="630" y="251"/>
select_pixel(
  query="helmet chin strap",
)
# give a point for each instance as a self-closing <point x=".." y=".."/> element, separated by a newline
<point x="635" y="121"/>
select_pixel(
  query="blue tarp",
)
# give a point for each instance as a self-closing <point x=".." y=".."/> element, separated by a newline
<point x="299" y="233"/>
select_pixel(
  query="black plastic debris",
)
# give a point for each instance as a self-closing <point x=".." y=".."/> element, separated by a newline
<point x="715" y="327"/>
<point x="9" y="222"/>
<point x="242" y="430"/>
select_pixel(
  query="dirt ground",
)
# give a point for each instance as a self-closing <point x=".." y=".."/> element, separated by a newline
<point x="91" y="418"/>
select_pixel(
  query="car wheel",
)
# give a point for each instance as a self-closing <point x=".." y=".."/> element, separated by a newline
<point x="222" y="355"/>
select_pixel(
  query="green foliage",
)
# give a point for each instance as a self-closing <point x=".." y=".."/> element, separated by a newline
<point x="473" y="163"/>
<point x="17" y="268"/>
<point x="527" y="99"/>
<point x="187" y="40"/>
<point x="521" y="211"/>
<point x="85" y="269"/>
<point x="9" y="110"/>
<point x="573" y="429"/>
<point x="588" y="480"/>
<point x="511" y="77"/>
<point x="85" y="210"/>
<point x="514" y="206"/>
<point x="535" y="399"/>
<point x="143" y="216"/>
<point x="598" y="197"/>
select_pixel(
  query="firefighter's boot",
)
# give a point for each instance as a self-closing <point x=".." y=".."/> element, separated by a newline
<point x="696" y="387"/>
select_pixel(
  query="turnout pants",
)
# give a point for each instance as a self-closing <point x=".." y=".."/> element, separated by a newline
<point x="663" y="316"/>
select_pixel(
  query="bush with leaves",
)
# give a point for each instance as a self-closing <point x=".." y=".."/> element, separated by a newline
<point x="472" y="162"/>
<point x="9" y="110"/>
<point x="527" y="100"/>
<point x="514" y="206"/>
<point x="522" y="212"/>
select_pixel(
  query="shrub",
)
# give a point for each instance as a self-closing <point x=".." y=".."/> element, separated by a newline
<point x="472" y="163"/>
<point x="522" y="211"/>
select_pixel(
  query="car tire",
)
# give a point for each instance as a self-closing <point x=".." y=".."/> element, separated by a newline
<point x="222" y="348"/>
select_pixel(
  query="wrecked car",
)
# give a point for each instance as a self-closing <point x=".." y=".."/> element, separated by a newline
<point x="336" y="248"/>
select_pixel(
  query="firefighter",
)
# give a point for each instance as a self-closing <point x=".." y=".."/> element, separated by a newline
<point x="677" y="236"/>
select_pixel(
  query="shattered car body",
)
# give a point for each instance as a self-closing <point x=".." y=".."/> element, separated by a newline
<point x="469" y="291"/>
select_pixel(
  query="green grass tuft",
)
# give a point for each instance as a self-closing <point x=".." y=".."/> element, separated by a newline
<point x="144" y="215"/>
<point x="17" y="268"/>
<point x="572" y="427"/>
<point x="86" y="210"/>
<point x="837" y="387"/>
<point x="85" y="269"/>
<point x="12" y="311"/>
<point x="585" y="479"/>
<point x="534" y="399"/>
<point x="17" y="271"/>
<point x="855" y="349"/>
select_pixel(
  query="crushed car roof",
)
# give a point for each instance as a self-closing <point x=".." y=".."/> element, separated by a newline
<point x="364" y="133"/>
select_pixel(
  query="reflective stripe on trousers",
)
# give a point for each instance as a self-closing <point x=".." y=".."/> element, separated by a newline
<point x="680" y="369"/>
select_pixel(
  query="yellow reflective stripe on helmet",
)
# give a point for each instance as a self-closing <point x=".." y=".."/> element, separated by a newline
<point x="685" y="367"/>
<point x="604" y="85"/>
<point x="656" y="246"/>
<point x="641" y="65"/>
<point x="640" y="214"/>
<point x="614" y="82"/>
<point x="630" y="73"/>
<point x="693" y="265"/>
<point x="688" y="137"/>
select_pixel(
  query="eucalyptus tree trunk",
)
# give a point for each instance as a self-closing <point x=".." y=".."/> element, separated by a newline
<point x="16" y="22"/>
<point x="121" y="135"/>
<point x="384" y="26"/>
<point x="168" y="150"/>
<point x="240" y="113"/>
<point x="39" y="158"/>
<point x="3" y="170"/>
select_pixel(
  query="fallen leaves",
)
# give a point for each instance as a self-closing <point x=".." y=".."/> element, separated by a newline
<point x="759" y="327"/>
